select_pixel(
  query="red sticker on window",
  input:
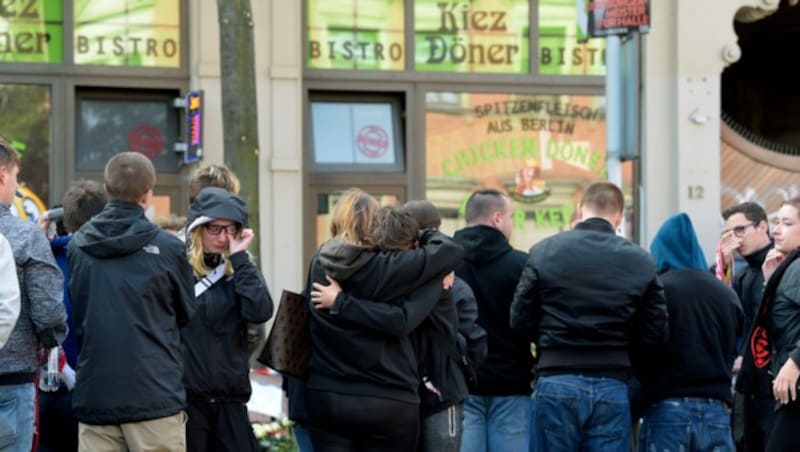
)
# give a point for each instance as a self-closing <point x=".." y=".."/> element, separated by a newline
<point x="372" y="141"/>
<point x="147" y="140"/>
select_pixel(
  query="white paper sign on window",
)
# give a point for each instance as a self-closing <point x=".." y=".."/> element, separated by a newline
<point x="353" y="133"/>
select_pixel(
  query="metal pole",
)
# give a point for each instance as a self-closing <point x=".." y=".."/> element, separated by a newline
<point x="614" y="110"/>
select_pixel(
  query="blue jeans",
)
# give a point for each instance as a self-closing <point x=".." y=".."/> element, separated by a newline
<point x="496" y="423"/>
<point x="16" y="417"/>
<point x="576" y="413"/>
<point x="302" y="436"/>
<point x="686" y="424"/>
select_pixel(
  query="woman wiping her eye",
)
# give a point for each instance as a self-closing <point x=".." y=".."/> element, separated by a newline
<point x="230" y="292"/>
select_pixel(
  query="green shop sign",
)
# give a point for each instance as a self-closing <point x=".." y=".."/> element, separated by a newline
<point x="563" y="49"/>
<point x="356" y="34"/>
<point x="31" y="31"/>
<point x="144" y="33"/>
<point x="471" y="36"/>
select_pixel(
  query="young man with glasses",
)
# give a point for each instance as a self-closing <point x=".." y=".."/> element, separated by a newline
<point x="746" y="232"/>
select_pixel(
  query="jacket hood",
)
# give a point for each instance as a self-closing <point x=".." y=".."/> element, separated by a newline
<point x="675" y="246"/>
<point x="214" y="203"/>
<point x="482" y="243"/>
<point x="118" y="230"/>
<point x="341" y="260"/>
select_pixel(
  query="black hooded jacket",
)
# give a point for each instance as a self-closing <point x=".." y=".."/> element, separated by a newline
<point x="215" y="340"/>
<point x="131" y="291"/>
<point x="704" y="319"/>
<point x="438" y="340"/>
<point x="492" y="268"/>
<point x="350" y="359"/>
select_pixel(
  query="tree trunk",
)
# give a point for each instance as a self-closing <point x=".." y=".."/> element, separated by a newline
<point x="239" y="108"/>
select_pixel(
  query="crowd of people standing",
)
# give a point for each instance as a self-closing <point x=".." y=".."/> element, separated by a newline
<point x="419" y="340"/>
<point x="157" y="329"/>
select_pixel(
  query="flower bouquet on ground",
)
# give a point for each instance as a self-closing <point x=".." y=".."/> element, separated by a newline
<point x="275" y="436"/>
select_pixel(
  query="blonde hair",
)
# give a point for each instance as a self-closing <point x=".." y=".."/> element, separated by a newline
<point x="195" y="256"/>
<point x="213" y="176"/>
<point x="352" y="217"/>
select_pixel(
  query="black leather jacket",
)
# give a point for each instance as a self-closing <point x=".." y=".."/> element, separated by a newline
<point x="589" y="294"/>
<point x="784" y="321"/>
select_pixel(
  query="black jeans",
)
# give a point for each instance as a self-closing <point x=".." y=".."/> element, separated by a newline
<point x="219" y="427"/>
<point x="784" y="435"/>
<point x="758" y="414"/>
<point x="344" y="422"/>
<point x="58" y="427"/>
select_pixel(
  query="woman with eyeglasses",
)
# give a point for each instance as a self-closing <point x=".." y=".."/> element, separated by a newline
<point x="230" y="292"/>
<point x="774" y="341"/>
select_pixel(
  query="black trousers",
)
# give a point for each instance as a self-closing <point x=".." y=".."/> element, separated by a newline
<point x="343" y="422"/>
<point x="758" y="414"/>
<point x="222" y="427"/>
<point x="58" y="427"/>
<point x="784" y="436"/>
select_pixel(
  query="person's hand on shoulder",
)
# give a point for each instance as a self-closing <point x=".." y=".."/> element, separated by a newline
<point x="323" y="297"/>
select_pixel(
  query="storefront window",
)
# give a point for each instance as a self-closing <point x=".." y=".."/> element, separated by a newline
<point x="541" y="150"/>
<point x="356" y="34"/>
<point x="356" y="136"/>
<point x="25" y="116"/>
<point x="31" y="31"/>
<point x="109" y="126"/>
<point x="141" y="33"/>
<point x="488" y="36"/>
<point x="560" y="53"/>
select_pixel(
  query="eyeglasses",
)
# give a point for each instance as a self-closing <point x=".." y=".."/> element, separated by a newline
<point x="739" y="231"/>
<point x="216" y="229"/>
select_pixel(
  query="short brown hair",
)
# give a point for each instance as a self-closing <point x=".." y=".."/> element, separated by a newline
<point x="794" y="201"/>
<point x="128" y="176"/>
<point x="426" y="214"/>
<point x="603" y="198"/>
<point x="83" y="200"/>
<point x="171" y="222"/>
<point x="213" y="176"/>
<point x="483" y="203"/>
<point x="8" y="155"/>
<point x="394" y="229"/>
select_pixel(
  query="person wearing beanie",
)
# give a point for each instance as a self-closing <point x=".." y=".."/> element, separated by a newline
<point x="230" y="292"/>
<point x="691" y="373"/>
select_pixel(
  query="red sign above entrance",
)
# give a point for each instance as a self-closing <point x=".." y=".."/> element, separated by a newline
<point x="618" y="17"/>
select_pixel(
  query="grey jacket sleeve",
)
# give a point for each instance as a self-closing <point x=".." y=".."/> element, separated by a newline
<point x="44" y="287"/>
<point x="9" y="291"/>
<point x="474" y="338"/>
<point x="526" y="308"/>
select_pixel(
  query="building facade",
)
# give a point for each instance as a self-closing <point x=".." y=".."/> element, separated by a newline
<point x="406" y="99"/>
